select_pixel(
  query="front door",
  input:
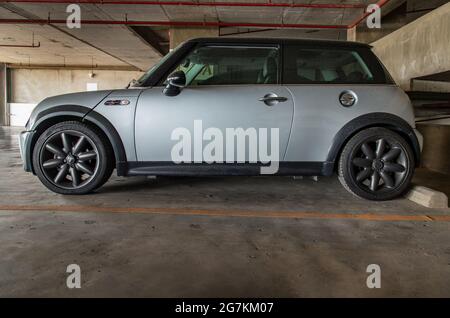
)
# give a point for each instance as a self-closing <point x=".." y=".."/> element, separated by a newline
<point x="228" y="87"/>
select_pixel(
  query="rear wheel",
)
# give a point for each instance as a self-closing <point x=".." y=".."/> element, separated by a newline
<point x="72" y="158"/>
<point x="376" y="164"/>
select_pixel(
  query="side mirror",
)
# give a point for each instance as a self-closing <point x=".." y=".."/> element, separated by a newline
<point x="131" y="83"/>
<point x="175" y="82"/>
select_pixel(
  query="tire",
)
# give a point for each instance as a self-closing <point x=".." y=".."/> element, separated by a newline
<point x="376" y="164"/>
<point x="73" y="158"/>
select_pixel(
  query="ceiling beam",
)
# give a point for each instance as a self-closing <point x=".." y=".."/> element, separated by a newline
<point x="219" y="24"/>
<point x="152" y="38"/>
<point x="179" y="23"/>
<point x="29" y="17"/>
<point x="73" y="67"/>
<point x="204" y="4"/>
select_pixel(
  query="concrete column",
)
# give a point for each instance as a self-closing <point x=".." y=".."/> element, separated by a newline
<point x="179" y="35"/>
<point x="4" y="113"/>
<point x="351" y="34"/>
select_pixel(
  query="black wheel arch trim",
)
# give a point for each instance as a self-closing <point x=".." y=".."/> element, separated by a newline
<point x="360" y="123"/>
<point x="85" y="114"/>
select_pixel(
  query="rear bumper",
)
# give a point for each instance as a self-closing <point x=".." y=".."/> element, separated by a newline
<point x="25" y="138"/>
<point x="419" y="139"/>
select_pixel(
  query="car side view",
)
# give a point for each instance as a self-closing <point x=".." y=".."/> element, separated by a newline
<point x="326" y="107"/>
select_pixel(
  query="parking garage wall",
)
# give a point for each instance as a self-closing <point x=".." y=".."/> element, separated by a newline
<point x="3" y="92"/>
<point x="30" y="86"/>
<point x="33" y="85"/>
<point x="417" y="49"/>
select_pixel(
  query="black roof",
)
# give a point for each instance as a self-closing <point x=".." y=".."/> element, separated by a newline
<point x="280" y="41"/>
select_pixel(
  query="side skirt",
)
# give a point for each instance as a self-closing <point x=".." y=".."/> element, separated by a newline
<point x="157" y="168"/>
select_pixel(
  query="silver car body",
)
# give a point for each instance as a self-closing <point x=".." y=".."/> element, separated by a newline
<point x="311" y="122"/>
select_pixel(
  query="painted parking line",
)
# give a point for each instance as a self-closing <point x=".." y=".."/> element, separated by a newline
<point x="231" y="213"/>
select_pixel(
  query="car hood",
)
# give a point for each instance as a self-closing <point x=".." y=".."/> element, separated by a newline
<point x="87" y="101"/>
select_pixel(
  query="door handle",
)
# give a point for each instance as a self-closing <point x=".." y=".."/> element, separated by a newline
<point x="272" y="99"/>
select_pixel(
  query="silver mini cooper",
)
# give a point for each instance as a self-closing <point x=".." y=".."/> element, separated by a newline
<point x="224" y="106"/>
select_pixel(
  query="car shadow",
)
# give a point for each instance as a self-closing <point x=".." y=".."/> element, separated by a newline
<point x="143" y="183"/>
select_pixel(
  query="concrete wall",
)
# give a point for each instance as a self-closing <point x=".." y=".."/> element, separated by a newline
<point x="436" y="145"/>
<point x="33" y="85"/>
<point x="389" y="24"/>
<point x="419" y="48"/>
<point x="396" y="14"/>
<point x="430" y="86"/>
<point x="3" y="105"/>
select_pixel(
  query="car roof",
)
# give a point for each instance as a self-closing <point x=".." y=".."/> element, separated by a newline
<point x="311" y="42"/>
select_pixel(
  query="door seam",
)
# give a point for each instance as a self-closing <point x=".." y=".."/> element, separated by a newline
<point x="292" y="121"/>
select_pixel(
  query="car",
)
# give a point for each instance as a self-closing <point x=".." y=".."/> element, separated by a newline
<point x="233" y="107"/>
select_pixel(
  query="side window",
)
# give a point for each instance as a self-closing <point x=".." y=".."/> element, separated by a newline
<point x="233" y="65"/>
<point x="334" y="66"/>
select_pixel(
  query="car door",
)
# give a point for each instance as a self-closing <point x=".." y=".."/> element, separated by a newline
<point x="228" y="87"/>
<point x="330" y="86"/>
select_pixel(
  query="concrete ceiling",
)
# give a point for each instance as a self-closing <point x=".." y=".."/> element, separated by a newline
<point x="117" y="46"/>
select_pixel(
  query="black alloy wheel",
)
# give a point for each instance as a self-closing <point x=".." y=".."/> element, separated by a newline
<point x="69" y="159"/>
<point x="376" y="164"/>
<point x="72" y="158"/>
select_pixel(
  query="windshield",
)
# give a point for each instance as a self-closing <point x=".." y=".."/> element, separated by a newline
<point x="149" y="73"/>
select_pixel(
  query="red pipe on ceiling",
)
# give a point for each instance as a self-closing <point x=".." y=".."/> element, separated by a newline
<point x="177" y="23"/>
<point x="380" y="3"/>
<point x="206" y="3"/>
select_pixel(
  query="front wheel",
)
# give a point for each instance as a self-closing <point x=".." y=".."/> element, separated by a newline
<point x="72" y="158"/>
<point x="376" y="164"/>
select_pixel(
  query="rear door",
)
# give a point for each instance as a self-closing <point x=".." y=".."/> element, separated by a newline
<point x="228" y="87"/>
<point x="330" y="86"/>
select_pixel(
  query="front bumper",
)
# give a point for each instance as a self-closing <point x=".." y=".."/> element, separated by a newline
<point x="25" y="138"/>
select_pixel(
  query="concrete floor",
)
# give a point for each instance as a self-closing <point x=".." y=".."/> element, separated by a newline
<point x="236" y="237"/>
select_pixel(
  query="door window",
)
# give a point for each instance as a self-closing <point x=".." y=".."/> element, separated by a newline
<point x="222" y="65"/>
<point x="307" y="65"/>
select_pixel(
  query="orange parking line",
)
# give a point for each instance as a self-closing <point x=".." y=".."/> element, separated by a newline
<point x="228" y="213"/>
<point x="440" y="218"/>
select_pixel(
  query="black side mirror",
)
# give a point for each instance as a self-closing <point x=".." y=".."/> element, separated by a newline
<point x="175" y="82"/>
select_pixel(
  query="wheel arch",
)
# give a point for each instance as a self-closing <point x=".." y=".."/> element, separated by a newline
<point x="384" y="120"/>
<point x="85" y="115"/>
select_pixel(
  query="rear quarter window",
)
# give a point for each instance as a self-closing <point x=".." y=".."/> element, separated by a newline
<point x="328" y="65"/>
